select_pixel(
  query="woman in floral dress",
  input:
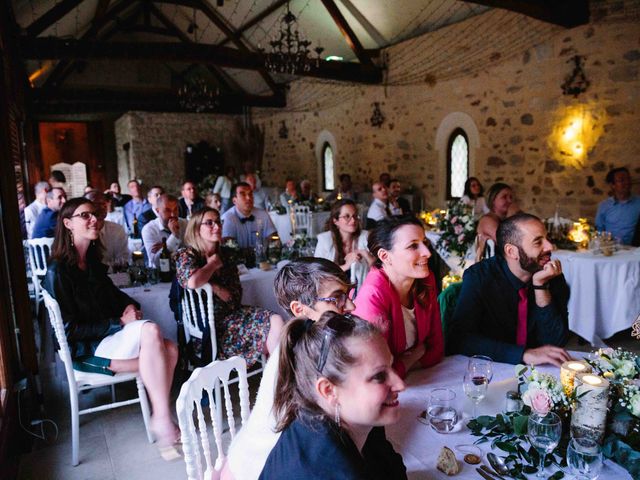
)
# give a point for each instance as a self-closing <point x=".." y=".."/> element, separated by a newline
<point x="240" y="330"/>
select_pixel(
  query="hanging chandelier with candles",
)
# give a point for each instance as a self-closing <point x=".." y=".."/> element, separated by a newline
<point x="198" y="96"/>
<point x="290" y="51"/>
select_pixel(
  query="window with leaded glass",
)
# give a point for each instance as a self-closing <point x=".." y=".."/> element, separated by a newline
<point x="327" y="168"/>
<point x="457" y="163"/>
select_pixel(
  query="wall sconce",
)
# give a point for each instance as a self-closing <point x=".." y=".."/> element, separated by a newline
<point x="284" y="131"/>
<point x="377" y="118"/>
<point x="575" y="83"/>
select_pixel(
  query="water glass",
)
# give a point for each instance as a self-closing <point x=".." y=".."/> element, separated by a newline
<point x="441" y="411"/>
<point x="544" y="433"/>
<point x="584" y="458"/>
<point x="475" y="387"/>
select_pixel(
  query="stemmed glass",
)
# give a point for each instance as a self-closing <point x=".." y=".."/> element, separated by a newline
<point x="481" y="364"/>
<point x="475" y="383"/>
<point x="584" y="458"/>
<point x="544" y="434"/>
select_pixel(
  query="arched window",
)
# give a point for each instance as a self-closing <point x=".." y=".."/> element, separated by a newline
<point x="457" y="163"/>
<point x="327" y="168"/>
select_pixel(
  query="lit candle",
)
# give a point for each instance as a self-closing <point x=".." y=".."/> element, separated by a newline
<point x="589" y="416"/>
<point x="568" y="371"/>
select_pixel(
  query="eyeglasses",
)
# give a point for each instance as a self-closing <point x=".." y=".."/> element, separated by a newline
<point x="335" y="327"/>
<point x="339" y="300"/>
<point x="348" y="217"/>
<point x="211" y="223"/>
<point x="88" y="215"/>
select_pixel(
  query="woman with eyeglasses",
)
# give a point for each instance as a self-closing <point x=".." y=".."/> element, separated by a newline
<point x="240" y="330"/>
<point x="104" y="326"/>
<point x="336" y="391"/>
<point x="344" y="242"/>
<point x="399" y="294"/>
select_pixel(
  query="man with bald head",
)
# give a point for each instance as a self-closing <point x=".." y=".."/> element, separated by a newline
<point x="112" y="236"/>
<point x="168" y="226"/>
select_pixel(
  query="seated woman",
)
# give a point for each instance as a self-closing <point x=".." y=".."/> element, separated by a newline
<point x="336" y="392"/>
<point x="473" y="196"/>
<point x="344" y="242"/>
<point x="245" y="331"/>
<point x="399" y="294"/>
<point x="499" y="201"/>
<point x="213" y="200"/>
<point x="103" y="325"/>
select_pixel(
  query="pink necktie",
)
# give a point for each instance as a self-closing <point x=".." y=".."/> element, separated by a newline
<point x="521" y="332"/>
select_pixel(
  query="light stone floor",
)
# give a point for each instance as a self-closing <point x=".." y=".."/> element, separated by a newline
<point x="113" y="444"/>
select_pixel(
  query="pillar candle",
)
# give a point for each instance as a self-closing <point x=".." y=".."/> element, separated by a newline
<point x="568" y="371"/>
<point x="589" y="416"/>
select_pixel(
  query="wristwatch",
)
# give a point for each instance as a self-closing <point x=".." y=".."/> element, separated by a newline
<point x="541" y="287"/>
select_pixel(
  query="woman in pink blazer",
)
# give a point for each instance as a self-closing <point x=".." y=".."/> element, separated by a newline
<point x="399" y="294"/>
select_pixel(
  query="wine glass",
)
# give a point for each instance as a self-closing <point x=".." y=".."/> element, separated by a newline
<point x="544" y="434"/>
<point x="584" y="458"/>
<point x="483" y="364"/>
<point x="475" y="386"/>
<point x="441" y="410"/>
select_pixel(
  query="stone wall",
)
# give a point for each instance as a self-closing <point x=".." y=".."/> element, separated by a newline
<point x="157" y="142"/>
<point x="515" y="102"/>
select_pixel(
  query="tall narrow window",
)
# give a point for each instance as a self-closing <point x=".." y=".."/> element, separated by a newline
<point x="457" y="163"/>
<point x="327" y="168"/>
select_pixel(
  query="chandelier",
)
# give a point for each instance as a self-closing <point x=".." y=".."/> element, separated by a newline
<point x="198" y="96"/>
<point x="289" y="49"/>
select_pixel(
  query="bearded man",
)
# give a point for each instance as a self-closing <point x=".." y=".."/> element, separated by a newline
<point x="513" y="307"/>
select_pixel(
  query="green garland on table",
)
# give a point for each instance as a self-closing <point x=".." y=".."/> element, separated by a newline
<point x="508" y="432"/>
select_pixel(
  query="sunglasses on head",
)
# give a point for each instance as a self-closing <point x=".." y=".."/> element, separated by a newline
<point x="335" y="327"/>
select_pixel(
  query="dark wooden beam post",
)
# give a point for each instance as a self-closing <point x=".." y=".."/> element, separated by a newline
<point x="257" y="19"/>
<point x="347" y="32"/>
<point x="565" y="13"/>
<point x="51" y="17"/>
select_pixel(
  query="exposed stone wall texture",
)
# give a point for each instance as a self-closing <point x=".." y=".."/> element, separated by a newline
<point x="157" y="143"/>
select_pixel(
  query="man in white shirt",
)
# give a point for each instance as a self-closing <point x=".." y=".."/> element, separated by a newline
<point x="168" y="225"/>
<point x="152" y="197"/>
<point x="379" y="208"/>
<point x="112" y="236"/>
<point x="243" y="222"/>
<point x="32" y="210"/>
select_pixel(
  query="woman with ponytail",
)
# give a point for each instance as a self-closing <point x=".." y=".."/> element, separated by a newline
<point x="336" y="391"/>
<point x="399" y="294"/>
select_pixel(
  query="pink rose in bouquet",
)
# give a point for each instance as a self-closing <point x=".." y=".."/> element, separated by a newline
<point x="540" y="402"/>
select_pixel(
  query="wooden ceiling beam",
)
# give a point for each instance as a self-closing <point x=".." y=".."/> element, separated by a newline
<point x="51" y="16"/>
<point x="565" y="13"/>
<point x="257" y="19"/>
<point x="53" y="48"/>
<point x="347" y="32"/>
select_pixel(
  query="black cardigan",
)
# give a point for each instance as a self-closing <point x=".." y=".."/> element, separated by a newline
<point x="90" y="304"/>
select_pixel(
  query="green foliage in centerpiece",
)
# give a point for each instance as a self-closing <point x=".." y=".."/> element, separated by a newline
<point x="458" y="228"/>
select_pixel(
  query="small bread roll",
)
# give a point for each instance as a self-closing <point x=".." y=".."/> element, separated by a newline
<point x="447" y="462"/>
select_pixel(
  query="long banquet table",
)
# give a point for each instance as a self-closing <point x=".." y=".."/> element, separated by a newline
<point x="605" y="292"/>
<point x="257" y="290"/>
<point x="419" y="444"/>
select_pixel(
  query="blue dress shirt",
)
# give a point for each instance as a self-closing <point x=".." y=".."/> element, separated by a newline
<point x="619" y="217"/>
<point x="45" y="224"/>
<point x="133" y="207"/>
<point x="245" y="232"/>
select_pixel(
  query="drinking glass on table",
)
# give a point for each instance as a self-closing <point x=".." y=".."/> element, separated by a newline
<point x="441" y="411"/>
<point x="544" y="435"/>
<point x="481" y="364"/>
<point x="584" y="458"/>
<point x="476" y="382"/>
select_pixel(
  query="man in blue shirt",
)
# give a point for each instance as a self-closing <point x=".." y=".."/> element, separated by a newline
<point x="45" y="226"/>
<point x="513" y="306"/>
<point x="135" y="207"/>
<point x="244" y="221"/>
<point x="619" y="213"/>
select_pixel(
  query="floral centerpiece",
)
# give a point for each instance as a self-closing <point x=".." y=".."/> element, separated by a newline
<point x="207" y="183"/>
<point x="300" y="245"/>
<point x="458" y="228"/>
<point x="543" y="393"/>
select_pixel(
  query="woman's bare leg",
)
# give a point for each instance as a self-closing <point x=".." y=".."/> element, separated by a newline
<point x="277" y="323"/>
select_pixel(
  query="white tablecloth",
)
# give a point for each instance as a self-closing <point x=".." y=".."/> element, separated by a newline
<point x="605" y="292"/>
<point x="419" y="444"/>
<point x="257" y="290"/>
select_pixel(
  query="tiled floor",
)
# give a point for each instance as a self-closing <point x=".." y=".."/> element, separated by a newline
<point x="113" y="444"/>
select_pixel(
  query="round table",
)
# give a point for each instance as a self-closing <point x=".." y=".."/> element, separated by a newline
<point x="605" y="292"/>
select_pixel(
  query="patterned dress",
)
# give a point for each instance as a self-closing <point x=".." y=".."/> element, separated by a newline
<point x="240" y="330"/>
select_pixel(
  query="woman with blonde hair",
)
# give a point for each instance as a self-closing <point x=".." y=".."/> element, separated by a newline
<point x="240" y="330"/>
<point x="501" y="205"/>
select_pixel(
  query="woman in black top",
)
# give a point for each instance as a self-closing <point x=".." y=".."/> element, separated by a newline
<point x="103" y="325"/>
<point x="336" y="391"/>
